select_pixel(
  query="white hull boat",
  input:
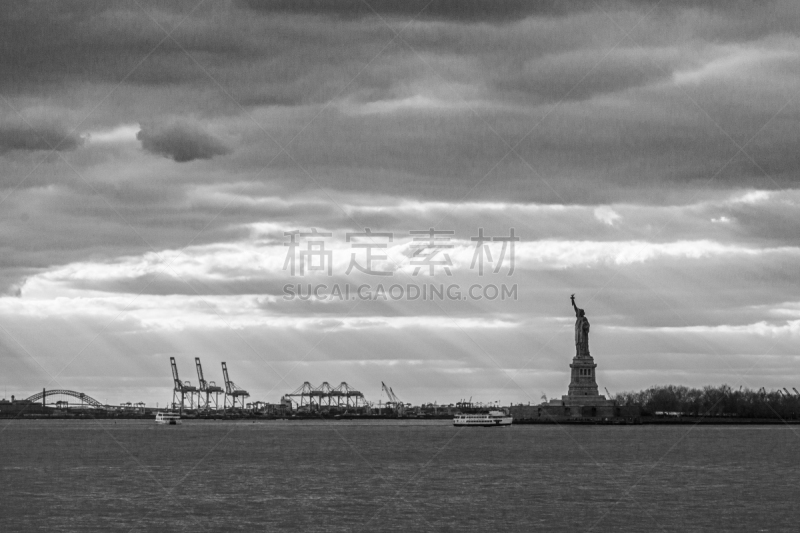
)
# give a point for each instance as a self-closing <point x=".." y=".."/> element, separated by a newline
<point x="490" y="419"/>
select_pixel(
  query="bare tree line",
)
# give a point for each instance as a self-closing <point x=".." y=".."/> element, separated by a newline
<point x="715" y="401"/>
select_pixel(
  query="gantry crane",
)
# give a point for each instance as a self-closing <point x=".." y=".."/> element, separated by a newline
<point x="181" y="388"/>
<point x="306" y="394"/>
<point x="393" y="401"/>
<point x="207" y="387"/>
<point x="352" y="397"/>
<point x="795" y="391"/>
<point x="326" y="396"/>
<point x="232" y="391"/>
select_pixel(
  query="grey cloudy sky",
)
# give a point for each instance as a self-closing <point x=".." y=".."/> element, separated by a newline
<point x="152" y="156"/>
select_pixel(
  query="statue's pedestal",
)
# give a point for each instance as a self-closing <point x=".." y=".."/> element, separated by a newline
<point x="582" y="379"/>
<point x="583" y="386"/>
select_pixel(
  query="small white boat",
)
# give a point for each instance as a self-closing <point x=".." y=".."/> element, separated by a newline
<point x="168" y="418"/>
<point x="492" y="418"/>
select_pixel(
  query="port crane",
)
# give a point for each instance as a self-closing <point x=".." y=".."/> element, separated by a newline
<point x="315" y="398"/>
<point x="232" y="391"/>
<point x="207" y="387"/>
<point x="306" y="394"/>
<point x="795" y="391"/>
<point x="393" y="401"/>
<point x="324" y="395"/>
<point x="465" y="404"/>
<point x="350" y="396"/>
<point x="181" y="388"/>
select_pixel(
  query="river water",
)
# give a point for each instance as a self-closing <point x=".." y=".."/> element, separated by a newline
<point x="387" y="475"/>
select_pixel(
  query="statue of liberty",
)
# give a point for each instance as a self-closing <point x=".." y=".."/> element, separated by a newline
<point x="581" y="331"/>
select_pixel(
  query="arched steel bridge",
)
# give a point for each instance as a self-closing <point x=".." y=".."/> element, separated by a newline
<point x="61" y="392"/>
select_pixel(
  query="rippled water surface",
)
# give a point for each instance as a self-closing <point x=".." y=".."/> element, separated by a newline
<point x="395" y="476"/>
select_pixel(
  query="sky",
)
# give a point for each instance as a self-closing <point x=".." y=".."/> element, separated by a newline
<point x="157" y="159"/>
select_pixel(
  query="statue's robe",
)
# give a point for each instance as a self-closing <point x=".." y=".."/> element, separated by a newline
<point x="582" y="336"/>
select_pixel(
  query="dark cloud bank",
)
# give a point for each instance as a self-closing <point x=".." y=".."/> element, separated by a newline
<point x="598" y="116"/>
<point x="181" y="141"/>
<point x="19" y="135"/>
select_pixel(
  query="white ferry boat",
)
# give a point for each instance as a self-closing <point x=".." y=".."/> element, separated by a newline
<point x="492" y="418"/>
<point x="168" y="418"/>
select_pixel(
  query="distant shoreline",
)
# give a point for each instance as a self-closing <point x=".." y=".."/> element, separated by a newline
<point x="643" y="421"/>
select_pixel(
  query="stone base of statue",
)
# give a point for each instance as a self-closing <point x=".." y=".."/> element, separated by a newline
<point x="583" y="385"/>
<point x="581" y="404"/>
